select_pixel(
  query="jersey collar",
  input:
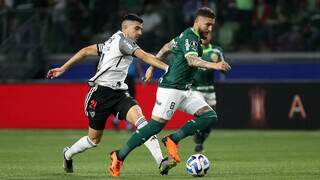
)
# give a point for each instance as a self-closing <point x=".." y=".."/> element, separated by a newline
<point x="195" y="32"/>
<point x="207" y="49"/>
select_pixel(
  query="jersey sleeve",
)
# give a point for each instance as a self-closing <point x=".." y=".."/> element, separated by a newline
<point x="99" y="48"/>
<point x="190" y="45"/>
<point x="127" y="46"/>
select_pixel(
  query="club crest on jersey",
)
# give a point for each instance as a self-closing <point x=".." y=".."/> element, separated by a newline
<point x="169" y="113"/>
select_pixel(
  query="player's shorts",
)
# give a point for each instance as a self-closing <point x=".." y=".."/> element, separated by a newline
<point x="169" y="100"/>
<point x="102" y="101"/>
<point x="209" y="97"/>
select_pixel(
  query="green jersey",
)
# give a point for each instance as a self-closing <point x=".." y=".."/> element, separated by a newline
<point x="180" y="74"/>
<point x="203" y="80"/>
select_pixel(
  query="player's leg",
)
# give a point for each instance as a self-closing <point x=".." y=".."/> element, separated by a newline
<point x="205" y="117"/>
<point x="200" y="137"/>
<point x="161" y="113"/>
<point x="115" y="122"/>
<point x="130" y="81"/>
<point x="128" y="109"/>
<point x="136" y="117"/>
<point x="86" y="142"/>
<point x="97" y="114"/>
<point x="91" y="140"/>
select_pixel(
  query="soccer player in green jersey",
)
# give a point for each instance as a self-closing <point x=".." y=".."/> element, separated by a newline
<point x="174" y="92"/>
<point x="203" y="85"/>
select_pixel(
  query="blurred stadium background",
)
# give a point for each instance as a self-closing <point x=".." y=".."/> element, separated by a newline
<point x="272" y="45"/>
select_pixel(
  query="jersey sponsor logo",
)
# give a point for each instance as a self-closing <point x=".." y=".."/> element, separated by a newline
<point x="174" y="44"/>
<point x="194" y="44"/>
<point x="158" y="102"/>
<point x="187" y="45"/>
<point x="110" y="39"/>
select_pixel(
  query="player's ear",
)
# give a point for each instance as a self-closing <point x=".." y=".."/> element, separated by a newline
<point x="124" y="25"/>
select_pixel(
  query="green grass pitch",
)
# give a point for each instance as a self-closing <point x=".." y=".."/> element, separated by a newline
<point x="234" y="154"/>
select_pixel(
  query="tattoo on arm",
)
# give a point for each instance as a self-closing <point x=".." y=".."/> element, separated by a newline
<point x="195" y="61"/>
<point x="165" y="51"/>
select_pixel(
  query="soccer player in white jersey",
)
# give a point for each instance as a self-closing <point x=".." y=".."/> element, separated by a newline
<point x="108" y="93"/>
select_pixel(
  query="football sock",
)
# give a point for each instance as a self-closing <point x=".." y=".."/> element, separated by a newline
<point x="139" y="137"/>
<point x="81" y="145"/>
<point x="152" y="143"/>
<point x="200" y="124"/>
<point x="200" y="137"/>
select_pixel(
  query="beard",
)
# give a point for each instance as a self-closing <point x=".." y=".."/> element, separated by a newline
<point x="203" y="34"/>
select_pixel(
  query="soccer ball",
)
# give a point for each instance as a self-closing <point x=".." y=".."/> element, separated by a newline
<point x="197" y="165"/>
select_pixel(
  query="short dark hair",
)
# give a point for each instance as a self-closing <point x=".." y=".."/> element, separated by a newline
<point x="132" y="17"/>
<point x="205" y="12"/>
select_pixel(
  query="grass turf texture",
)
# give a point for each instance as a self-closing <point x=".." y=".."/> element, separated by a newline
<point x="234" y="154"/>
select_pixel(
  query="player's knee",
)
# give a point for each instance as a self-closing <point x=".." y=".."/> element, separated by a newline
<point x="94" y="141"/>
<point x="203" y="110"/>
<point x="209" y="118"/>
<point x="134" y="114"/>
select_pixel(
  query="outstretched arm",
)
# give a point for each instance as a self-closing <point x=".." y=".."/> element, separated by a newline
<point x="165" y="51"/>
<point x="195" y="61"/>
<point x="162" y="54"/>
<point x="150" y="59"/>
<point x="91" y="50"/>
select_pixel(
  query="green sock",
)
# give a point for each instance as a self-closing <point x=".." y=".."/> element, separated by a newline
<point x="200" y="124"/>
<point x="139" y="137"/>
<point x="201" y="136"/>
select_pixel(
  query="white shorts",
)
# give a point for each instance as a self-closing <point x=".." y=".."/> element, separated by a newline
<point x="169" y="100"/>
<point x="209" y="97"/>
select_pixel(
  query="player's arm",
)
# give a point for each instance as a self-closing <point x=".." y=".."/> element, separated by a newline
<point x="91" y="50"/>
<point x="218" y="56"/>
<point x="162" y="54"/>
<point x="150" y="59"/>
<point x="165" y="50"/>
<point x="194" y="60"/>
<point x="128" y="47"/>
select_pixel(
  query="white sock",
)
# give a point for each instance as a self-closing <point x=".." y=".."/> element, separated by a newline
<point x="152" y="143"/>
<point x="81" y="145"/>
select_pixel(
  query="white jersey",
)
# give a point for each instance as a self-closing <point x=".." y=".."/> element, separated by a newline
<point x="115" y="58"/>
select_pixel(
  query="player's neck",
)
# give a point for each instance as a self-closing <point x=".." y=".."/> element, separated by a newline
<point x="195" y="30"/>
<point x="206" y="46"/>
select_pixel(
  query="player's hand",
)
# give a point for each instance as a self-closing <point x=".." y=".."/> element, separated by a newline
<point x="56" y="72"/>
<point x="223" y="66"/>
<point x="149" y="74"/>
